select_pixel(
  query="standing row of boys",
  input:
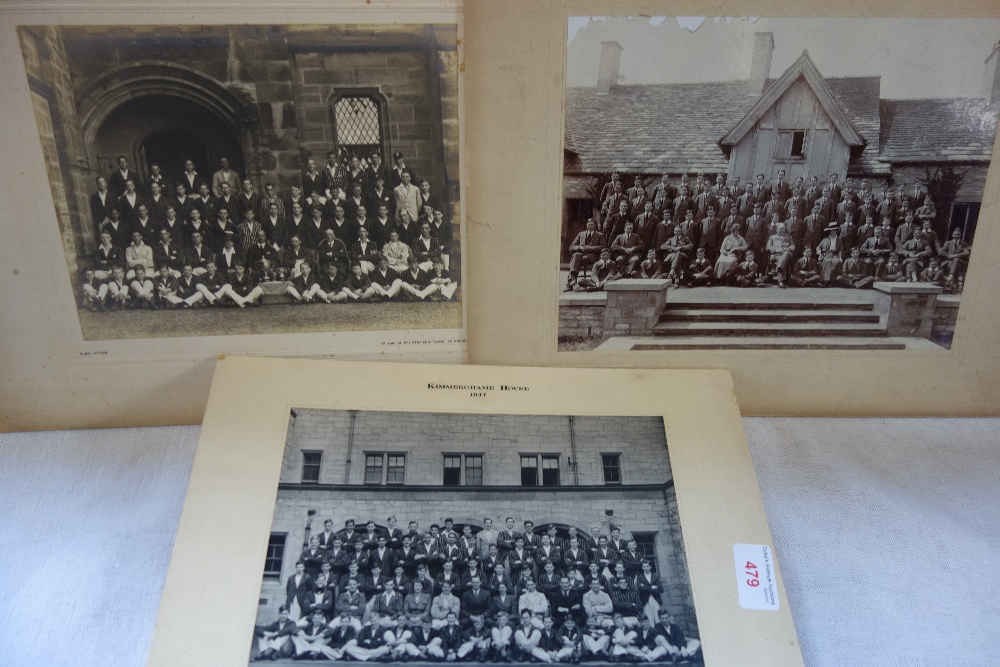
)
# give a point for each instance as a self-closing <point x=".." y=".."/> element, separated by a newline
<point x="765" y="233"/>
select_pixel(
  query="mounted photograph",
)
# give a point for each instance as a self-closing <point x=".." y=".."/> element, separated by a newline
<point x="215" y="180"/>
<point x="432" y="537"/>
<point x="772" y="183"/>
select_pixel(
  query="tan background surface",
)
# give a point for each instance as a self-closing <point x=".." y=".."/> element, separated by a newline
<point x="238" y="463"/>
<point x="515" y="90"/>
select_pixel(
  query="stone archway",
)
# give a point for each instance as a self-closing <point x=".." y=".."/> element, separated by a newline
<point x="137" y="101"/>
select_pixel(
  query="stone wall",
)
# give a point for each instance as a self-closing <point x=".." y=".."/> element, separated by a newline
<point x="646" y="510"/>
<point x="581" y="319"/>
<point x="425" y="438"/>
<point x="945" y="317"/>
<point x="48" y="69"/>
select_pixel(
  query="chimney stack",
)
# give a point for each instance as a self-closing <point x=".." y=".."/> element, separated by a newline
<point x="991" y="81"/>
<point x="607" y="71"/>
<point x="760" y="66"/>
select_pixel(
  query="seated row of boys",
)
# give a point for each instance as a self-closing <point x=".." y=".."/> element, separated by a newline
<point x="194" y="279"/>
<point x="503" y="641"/>
<point x="832" y="261"/>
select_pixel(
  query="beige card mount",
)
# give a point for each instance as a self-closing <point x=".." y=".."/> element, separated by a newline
<point x="662" y="459"/>
<point x="647" y="88"/>
<point x="137" y="92"/>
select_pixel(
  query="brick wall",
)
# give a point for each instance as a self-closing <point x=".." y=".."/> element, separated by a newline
<point x="424" y="438"/>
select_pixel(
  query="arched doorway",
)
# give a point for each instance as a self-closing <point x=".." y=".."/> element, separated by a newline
<point x="167" y="130"/>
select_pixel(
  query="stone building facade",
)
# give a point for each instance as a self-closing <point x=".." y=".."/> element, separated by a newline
<point x="264" y="96"/>
<point x="370" y="465"/>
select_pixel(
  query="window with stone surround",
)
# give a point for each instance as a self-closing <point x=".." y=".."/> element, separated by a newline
<point x="385" y="468"/>
<point x="611" y="464"/>
<point x="645" y="544"/>
<point x="311" y="462"/>
<point x="275" y="555"/>
<point x="540" y="470"/>
<point x="359" y="123"/>
<point x="463" y="470"/>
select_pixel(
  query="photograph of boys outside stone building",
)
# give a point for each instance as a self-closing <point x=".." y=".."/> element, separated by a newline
<point x="475" y="538"/>
<point x="767" y="184"/>
<point x="309" y="169"/>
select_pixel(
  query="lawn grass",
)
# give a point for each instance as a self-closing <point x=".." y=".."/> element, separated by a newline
<point x="270" y="319"/>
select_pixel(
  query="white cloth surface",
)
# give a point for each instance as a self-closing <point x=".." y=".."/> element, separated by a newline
<point x="887" y="532"/>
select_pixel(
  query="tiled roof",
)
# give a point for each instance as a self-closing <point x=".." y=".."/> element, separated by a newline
<point x="938" y="130"/>
<point x="859" y="97"/>
<point x="675" y="127"/>
<point x="657" y="128"/>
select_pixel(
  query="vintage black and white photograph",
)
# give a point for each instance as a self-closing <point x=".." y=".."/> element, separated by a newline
<point x="253" y="179"/>
<point x="436" y="538"/>
<point x="772" y="183"/>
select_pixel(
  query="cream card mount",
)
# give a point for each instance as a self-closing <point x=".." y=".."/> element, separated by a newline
<point x="339" y="453"/>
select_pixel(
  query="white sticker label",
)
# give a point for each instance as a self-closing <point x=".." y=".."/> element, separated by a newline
<point x="755" y="576"/>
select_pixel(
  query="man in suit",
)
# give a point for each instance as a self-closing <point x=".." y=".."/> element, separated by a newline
<point x="425" y="248"/>
<point x="475" y="602"/>
<point x="130" y="201"/>
<point x="406" y="198"/>
<point x="398" y="169"/>
<point x="118" y="179"/>
<point x="637" y="197"/>
<point x="835" y="191"/>
<point x="780" y="188"/>
<point x="225" y="175"/>
<point x="682" y="204"/>
<point x="676" y="252"/>
<point x="761" y="191"/>
<point x="627" y="249"/>
<point x="190" y="178"/>
<point x="710" y="234"/>
<point x="905" y="231"/>
<point x="814" y="225"/>
<point x="585" y="249"/>
<point x="182" y="202"/>
<point x="101" y="203"/>
<point x="312" y="179"/>
<point x="297" y="587"/>
<point x="376" y="171"/>
<point x="169" y="254"/>
<point x="756" y="230"/>
<point x="333" y="250"/>
<point x="664" y="189"/>
<point x="156" y="177"/>
<point x="954" y="255"/>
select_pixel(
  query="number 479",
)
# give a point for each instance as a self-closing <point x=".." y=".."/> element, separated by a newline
<point x="752" y="571"/>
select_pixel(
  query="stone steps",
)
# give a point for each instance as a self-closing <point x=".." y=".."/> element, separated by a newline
<point x="768" y="329"/>
<point x="772" y="315"/>
<point x="770" y="343"/>
<point x="765" y="305"/>
<point x="764" y="343"/>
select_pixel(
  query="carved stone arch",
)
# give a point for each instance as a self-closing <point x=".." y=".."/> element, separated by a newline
<point x="108" y="92"/>
<point x="562" y="531"/>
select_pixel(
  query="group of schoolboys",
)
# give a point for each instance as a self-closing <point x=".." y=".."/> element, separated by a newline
<point x="355" y="231"/>
<point x="508" y="595"/>
<point x="778" y="232"/>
